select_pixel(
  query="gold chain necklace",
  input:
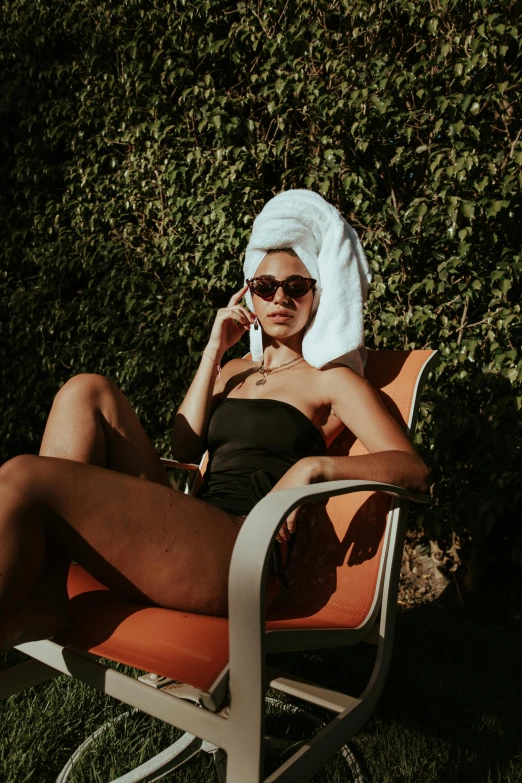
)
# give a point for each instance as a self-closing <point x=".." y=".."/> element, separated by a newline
<point x="264" y="371"/>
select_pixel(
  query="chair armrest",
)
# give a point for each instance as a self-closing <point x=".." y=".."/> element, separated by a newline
<point x="173" y="463"/>
<point x="267" y="516"/>
<point x="249" y="564"/>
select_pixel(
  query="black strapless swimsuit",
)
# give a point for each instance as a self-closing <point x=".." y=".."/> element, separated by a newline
<point x="252" y="443"/>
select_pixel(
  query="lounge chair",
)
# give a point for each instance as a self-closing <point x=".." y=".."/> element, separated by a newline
<point x="208" y="675"/>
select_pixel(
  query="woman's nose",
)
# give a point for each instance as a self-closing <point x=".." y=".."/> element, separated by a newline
<point x="280" y="295"/>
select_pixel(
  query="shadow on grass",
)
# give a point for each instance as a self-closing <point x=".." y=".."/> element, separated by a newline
<point x="456" y="678"/>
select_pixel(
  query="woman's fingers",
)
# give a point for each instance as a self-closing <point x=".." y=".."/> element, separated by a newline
<point x="235" y="298"/>
<point x="288" y="529"/>
<point x="250" y="317"/>
<point x="283" y="534"/>
<point x="239" y="314"/>
<point x="290" y="523"/>
<point x="231" y="323"/>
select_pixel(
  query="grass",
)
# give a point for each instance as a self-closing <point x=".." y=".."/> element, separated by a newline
<point x="451" y="710"/>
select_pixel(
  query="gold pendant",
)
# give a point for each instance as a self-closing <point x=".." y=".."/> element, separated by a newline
<point x="261" y="382"/>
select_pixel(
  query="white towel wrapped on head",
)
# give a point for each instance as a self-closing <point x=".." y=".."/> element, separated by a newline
<point x="332" y="252"/>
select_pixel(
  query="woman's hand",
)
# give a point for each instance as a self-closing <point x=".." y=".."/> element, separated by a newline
<point x="230" y="324"/>
<point x="308" y="470"/>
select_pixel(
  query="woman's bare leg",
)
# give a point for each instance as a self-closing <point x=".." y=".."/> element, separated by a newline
<point x="90" y="421"/>
<point x="149" y="542"/>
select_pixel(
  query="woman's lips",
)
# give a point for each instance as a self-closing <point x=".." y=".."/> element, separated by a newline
<point x="279" y="318"/>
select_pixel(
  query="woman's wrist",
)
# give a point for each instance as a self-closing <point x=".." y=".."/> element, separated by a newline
<point x="217" y="365"/>
<point x="213" y="353"/>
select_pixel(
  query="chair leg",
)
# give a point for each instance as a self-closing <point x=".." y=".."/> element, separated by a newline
<point x="357" y="773"/>
<point x="220" y="760"/>
<point x="277" y="746"/>
<point x="154" y="769"/>
<point x="188" y="746"/>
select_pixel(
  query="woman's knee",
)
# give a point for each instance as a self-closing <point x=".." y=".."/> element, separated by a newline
<point x="87" y="386"/>
<point x="21" y="475"/>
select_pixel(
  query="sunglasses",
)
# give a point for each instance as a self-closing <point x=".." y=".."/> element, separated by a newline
<point x="294" y="286"/>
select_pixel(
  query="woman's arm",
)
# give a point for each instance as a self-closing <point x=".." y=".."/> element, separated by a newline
<point x="188" y="434"/>
<point x="400" y="468"/>
<point x="392" y="458"/>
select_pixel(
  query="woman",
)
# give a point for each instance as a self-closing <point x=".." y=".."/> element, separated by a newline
<point x="98" y="493"/>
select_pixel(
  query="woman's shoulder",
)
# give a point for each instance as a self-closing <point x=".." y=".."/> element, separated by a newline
<point x="339" y="380"/>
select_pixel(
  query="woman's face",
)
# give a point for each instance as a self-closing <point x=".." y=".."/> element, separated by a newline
<point x="282" y="316"/>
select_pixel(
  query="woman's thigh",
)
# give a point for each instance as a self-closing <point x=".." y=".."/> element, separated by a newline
<point x="147" y="541"/>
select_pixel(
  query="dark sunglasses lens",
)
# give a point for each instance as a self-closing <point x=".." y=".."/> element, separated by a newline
<point x="264" y="288"/>
<point x="297" y="288"/>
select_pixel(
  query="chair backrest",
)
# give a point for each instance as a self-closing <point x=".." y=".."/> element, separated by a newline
<point x="334" y="570"/>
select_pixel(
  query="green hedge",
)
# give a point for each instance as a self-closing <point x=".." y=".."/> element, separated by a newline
<point x="143" y="137"/>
